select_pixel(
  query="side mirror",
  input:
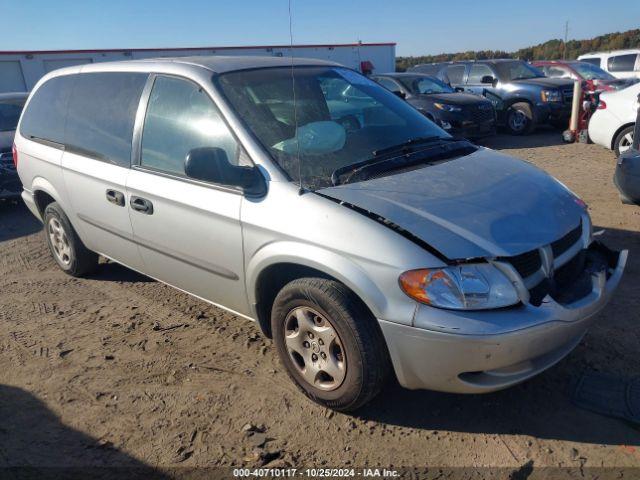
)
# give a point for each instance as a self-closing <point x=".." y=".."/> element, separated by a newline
<point x="488" y="79"/>
<point x="400" y="94"/>
<point x="211" y="164"/>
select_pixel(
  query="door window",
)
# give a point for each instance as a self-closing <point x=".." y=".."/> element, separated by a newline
<point x="388" y="84"/>
<point x="101" y="115"/>
<point x="454" y="74"/>
<point x="622" y="63"/>
<point x="180" y="117"/>
<point x="477" y="72"/>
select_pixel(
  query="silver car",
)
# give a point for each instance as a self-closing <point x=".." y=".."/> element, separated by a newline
<point x="363" y="238"/>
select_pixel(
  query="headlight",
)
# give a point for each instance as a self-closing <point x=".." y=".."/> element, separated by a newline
<point x="475" y="286"/>
<point x="551" y="96"/>
<point x="447" y="107"/>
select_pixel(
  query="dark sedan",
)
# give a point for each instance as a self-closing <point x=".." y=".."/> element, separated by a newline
<point x="10" y="108"/>
<point x="463" y="114"/>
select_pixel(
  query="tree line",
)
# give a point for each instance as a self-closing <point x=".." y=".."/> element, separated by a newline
<point x="550" y="50"/>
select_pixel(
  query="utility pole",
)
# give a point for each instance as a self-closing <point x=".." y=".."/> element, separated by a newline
<point x="566" y="35"/>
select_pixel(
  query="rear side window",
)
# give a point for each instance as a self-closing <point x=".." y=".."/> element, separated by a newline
<point x="102" y="111"/>
<point x="593" y="61"/>
<point x="622" y="63"/>
<point x="454" y="74"/>
<point x="46" y="112"/>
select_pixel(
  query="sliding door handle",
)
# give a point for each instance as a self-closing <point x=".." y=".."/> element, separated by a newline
<point x="141" y="205"/>
<point x="115" y="197"/>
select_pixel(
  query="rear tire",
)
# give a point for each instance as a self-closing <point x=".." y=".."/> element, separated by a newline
<point x="623" y="140"/>
<point x="520" y="119"/>
<point x="351" y="365"/>
<point x="67" y="249"/>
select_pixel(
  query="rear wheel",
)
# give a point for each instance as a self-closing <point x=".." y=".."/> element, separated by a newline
<point x="66" y="247"/>
<point x="329" y="343"/>
<point x="623" y="141"/>
<point x="520" y="119"/>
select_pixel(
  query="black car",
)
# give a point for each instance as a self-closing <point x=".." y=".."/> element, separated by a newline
<point x="522" y="95"/>
<point x="11" y="105"/>
<point x="460" y="114"/>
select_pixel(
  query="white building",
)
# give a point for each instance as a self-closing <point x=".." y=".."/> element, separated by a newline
<point x="20" y="70"/>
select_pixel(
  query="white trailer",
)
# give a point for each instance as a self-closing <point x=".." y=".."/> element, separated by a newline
<point x="20" y="70"/>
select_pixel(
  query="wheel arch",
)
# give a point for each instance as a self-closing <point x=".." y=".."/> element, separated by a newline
<point x="269" y="271"/>
<point x="44" y="193"/>
<point x="617" y="132"/>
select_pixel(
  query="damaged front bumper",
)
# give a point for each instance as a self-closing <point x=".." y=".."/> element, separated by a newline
<point x="484" y="351"/>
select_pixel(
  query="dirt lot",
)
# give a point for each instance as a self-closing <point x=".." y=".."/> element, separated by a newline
<point x="120" y="370"/>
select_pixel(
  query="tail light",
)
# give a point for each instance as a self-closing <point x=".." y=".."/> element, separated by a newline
<point x="602" y="105"/>
<point x="14" y="153"/>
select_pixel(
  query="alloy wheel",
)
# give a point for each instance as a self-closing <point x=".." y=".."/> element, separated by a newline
<point x="59" y="241"/>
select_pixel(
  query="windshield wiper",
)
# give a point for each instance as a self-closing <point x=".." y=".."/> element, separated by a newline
<point x="435" y="153"/>
<point x="405" y="147"/>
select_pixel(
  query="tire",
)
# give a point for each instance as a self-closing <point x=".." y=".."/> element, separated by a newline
<point x="623" y="140"/>
<point x="64" y="244"/>
<point x="519" y="119"/>
<point x="325" y="308"/>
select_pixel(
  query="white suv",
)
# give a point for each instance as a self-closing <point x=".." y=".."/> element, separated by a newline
<point x="619" y="63"/>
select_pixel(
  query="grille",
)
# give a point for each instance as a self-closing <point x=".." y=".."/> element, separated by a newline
<point x="567" y="94"/>
<point x="563" y="244"/>
<point x="481" y="114"/>
<point x="526" y="263"/>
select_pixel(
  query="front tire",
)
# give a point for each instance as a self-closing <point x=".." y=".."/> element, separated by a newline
<point x="623" y="141"/>
<point x="67" y="249"/>
<point x="329" y="343"/>
<point x="520" y="119"/>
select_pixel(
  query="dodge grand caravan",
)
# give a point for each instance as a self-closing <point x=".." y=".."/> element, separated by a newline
<point x="365" y="240"/>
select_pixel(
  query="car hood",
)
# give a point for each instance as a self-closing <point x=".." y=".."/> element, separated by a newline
<point x="546" y="82"/>
<point x="6" y="141"/>
<point x="485" y="204"/>
<point x="453" y="98"/>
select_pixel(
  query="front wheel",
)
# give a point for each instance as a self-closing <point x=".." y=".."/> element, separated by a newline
<point x="329" y="343"/>
<point x="520" y="119"/>
<point x="623" y="141"/>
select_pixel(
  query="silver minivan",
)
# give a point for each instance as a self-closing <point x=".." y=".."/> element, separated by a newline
<point x="361" y="237"/>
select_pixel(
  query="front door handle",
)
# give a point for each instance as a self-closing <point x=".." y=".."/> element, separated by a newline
<point x="141" y="205"/>
<point x="115" y="197"/>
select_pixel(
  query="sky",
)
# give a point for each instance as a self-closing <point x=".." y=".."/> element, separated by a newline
<point x="417" y="26"/>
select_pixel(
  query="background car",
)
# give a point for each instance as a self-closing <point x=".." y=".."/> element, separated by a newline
<point x="523" y="97"/>
<point x="620" y="63"/>
<point x="612" y="123"/>
<point x="595" y="77"/>
<point x="461" y="114"/>
<point x="11" y="105"/>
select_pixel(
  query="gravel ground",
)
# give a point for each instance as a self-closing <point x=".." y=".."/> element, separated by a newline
<point x="119" y="370"/>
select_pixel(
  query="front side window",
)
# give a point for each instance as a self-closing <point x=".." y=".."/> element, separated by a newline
<point x="181" y="117"/>
<point x="101" y="115"/>
<point x="334" y="130"/>
<point x="589" y="71"/>
<point x="10" y="110"/>
<point x="622" y="63"/>
<point x="477" y="72"/>
<point x="516" y="70"/>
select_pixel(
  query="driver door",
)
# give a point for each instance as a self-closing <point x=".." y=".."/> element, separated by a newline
<point x="188" y="232"/>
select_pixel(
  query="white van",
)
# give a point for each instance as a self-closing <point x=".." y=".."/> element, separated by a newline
<point x="619" y="63"/>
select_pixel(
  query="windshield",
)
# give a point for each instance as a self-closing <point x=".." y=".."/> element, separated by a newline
<point x="10" y="114"/>
<point x="342" y="116"/>
<point x="516" y="70"/>
<point x="427" y="85"/>
<point x="590" y="72"/>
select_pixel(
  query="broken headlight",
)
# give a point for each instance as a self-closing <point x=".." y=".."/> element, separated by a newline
<point x="476" y="286"/>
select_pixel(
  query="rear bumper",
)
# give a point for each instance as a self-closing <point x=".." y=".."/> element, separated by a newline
<point x="472" y="363"/>
<point x="29" y="201"/>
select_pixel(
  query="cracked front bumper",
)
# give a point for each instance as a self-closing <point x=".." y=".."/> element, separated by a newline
<point x="484" y="351"/>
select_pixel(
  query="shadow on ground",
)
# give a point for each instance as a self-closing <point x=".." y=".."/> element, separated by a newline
<point x="543" y="137"/>
<point x="16" y="220"/>
<point x="34" y="444"/>
<point x="541" y="407"/>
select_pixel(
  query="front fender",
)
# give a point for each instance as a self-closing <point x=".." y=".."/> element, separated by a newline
<point x="326" y="261"/>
